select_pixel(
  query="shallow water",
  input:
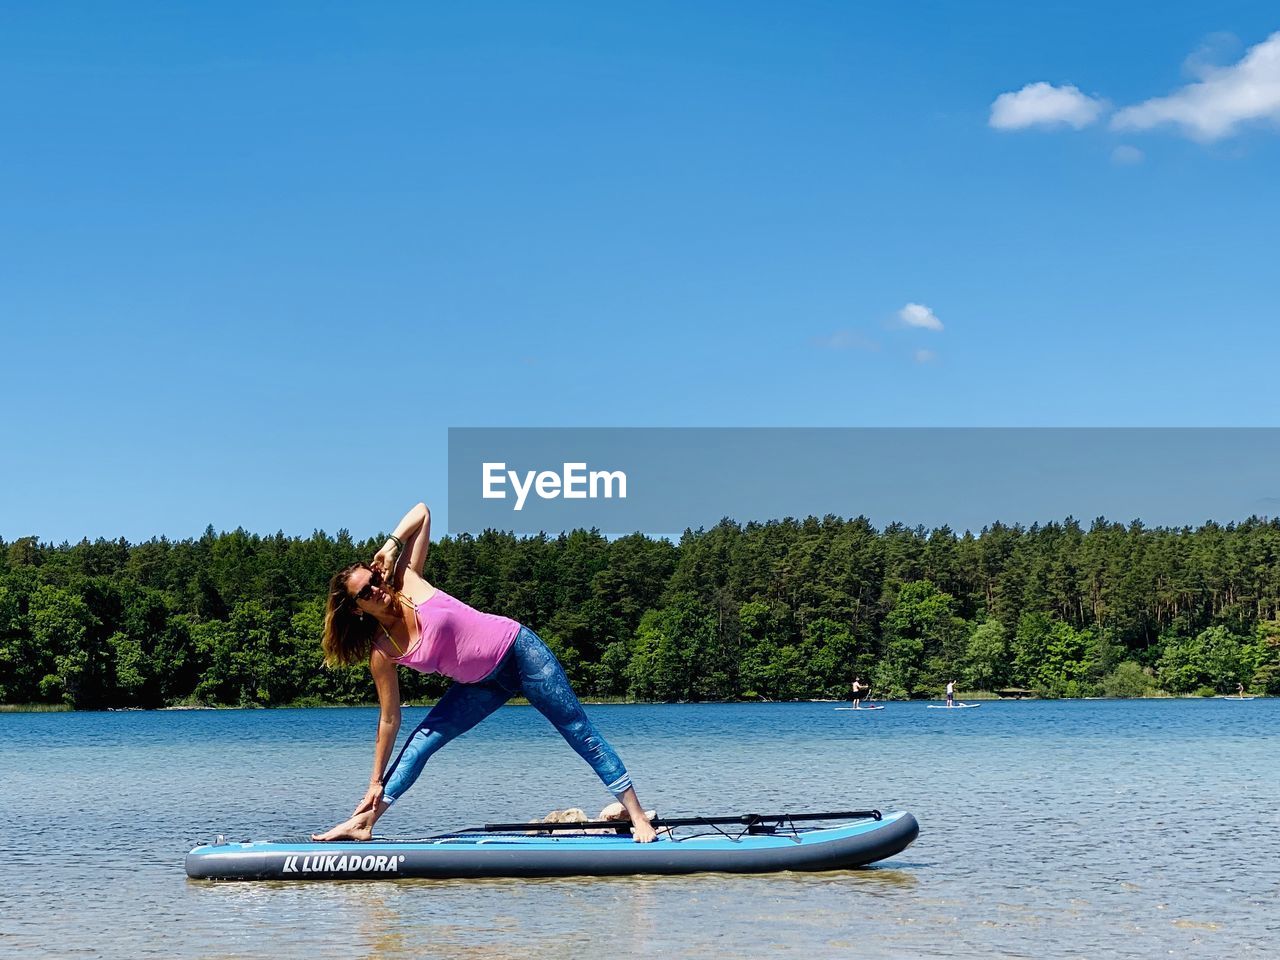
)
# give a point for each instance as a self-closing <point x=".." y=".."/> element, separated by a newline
<point x="1069" y="828"/>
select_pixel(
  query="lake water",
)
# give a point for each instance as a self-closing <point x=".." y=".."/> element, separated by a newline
<point x="1102" y="828"/>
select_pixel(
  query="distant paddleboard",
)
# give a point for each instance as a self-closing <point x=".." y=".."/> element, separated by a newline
<point x="860" y="709"/>
<point x="1238" y="698"/>
<point x="958" y="706"/>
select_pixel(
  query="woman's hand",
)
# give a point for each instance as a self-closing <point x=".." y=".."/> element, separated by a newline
<point x="371" y="798"/>
<point x="385" y="561"/>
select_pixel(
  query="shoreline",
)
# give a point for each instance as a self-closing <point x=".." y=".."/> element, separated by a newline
<point x="613" y="701"/>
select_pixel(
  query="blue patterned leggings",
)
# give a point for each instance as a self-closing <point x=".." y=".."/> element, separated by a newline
<point x="529" y="668"/>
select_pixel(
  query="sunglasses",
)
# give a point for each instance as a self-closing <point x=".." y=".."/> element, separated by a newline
<point x="375" y="580"/>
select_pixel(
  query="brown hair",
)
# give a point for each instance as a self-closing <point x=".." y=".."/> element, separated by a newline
<point x="348" y="636"/>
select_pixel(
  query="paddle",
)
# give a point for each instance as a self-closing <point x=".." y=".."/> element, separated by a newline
<point x="746" y="819"/>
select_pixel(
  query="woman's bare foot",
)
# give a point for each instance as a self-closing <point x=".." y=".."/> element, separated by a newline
<point x="359" y="827"/>
<point x="643" y="833"/>
<point x="641" y="829"/>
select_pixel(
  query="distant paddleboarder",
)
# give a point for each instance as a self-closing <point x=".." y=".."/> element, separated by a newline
<point x="861" y="691"/>
<point x="385" y="612"/>
<point x="951" y="693"/>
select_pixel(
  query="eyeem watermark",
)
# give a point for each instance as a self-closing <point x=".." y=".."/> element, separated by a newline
<point x="662" y="480"/>
<point x="574" y="482"/>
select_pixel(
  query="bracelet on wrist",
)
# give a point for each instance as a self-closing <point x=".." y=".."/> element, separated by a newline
<point x="396" y="540"/>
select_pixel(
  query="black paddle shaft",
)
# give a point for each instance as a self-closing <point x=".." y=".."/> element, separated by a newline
<point x="744" y="819"/>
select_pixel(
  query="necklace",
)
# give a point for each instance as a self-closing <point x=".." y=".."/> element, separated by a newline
<point x="387" y="633"/>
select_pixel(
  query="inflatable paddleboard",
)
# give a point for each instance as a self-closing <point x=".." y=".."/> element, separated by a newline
<point x="958" y="706"/>
<point x="860" y="709"/>
<point x="475" y="854"/>
<point x="1236" y="698"/>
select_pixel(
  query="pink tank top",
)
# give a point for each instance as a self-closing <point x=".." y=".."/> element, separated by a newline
<point x="455" y="640"/>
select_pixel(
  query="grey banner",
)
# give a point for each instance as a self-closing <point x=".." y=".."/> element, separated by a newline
<point x="664" y="480"/>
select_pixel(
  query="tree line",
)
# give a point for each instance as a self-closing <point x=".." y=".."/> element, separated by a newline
<point x="786" y="609"/>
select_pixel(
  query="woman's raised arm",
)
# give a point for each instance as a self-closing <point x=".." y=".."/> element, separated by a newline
<point x="419" y="542"/>
<point x="407" y="546"/>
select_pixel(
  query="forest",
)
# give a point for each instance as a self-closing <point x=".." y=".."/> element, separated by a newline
<point x="779" y="610"/>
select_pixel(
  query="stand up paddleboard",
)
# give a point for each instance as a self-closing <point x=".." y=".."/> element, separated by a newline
<point x="1237" y="698"/>
<point x="751" y="843"/>
<point x="860" y="709"/>
<point x="958" y="706"/>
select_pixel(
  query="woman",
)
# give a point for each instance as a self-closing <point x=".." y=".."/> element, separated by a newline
<point x="386" y="612"/>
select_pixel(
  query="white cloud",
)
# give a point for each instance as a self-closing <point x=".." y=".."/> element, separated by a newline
<point x="918" y="315"/>
<point x="1220" y="102"/>
<point x="1127" y="156"/>
<point x="925" y="356"/>
<point x="1214" y="51"/>
<point x="1044" y="105"/>
<point x="846" y="340"/>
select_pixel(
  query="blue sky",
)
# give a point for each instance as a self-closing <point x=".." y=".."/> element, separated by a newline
<point x="255" y="259"/>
